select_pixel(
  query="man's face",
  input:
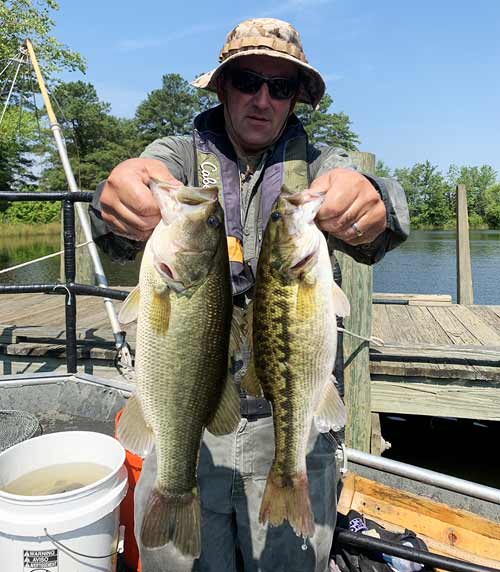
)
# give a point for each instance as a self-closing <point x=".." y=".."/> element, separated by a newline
<point x="255" y="120"/>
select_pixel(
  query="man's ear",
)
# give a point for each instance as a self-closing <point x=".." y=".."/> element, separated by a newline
<point x="221" y="94"/>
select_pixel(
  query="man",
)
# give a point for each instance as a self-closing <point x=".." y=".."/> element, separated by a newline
<point x="250" y="146"/>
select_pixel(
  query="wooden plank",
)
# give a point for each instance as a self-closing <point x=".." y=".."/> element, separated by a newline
<point x="453" y="327"/>
<point x="475" y="325"/>
<point x="488" y="315"/>
<point x="441" y="548"/>
<point x="447" y="354"/>
<point x="414" y="299"/>
<point x="357" y="282"/>
<point x="344" y="503"/>
<point x="459" y="528"/>
<point x="408" y="334"/>
<point x="33" y="313"/>
<point x="425" y="323"/>
<point x="403" y="326"/>
<point x="381" y="323"/>
<point x="413" y="371"/>
<point x="465" y="292"/>
<point x="436" y="399"/>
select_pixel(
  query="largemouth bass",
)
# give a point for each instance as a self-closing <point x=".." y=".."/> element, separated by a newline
<point x="294" y="344"/>
<point x="183" y="305"/>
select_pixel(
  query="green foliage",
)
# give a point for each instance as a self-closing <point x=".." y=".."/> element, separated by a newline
<point x="31" y="19"/>
<point x="382" y="170"/>
<point x="492" y="206"/>
<point x="476" y="181"/>
<point x="325" y="128"/>
<point x="95" y="140"/>
<point x="169" y="110"/>
<point x="427" y="194"/>
<point x="21" y="20"/>
<point x="32" y="212"/>
<point x="16" y="163"/>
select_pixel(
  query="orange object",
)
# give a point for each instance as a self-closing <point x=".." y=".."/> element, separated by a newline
<point x="133" y="464"/>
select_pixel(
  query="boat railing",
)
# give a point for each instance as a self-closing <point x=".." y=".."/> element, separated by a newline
<point x="69" y="287"/>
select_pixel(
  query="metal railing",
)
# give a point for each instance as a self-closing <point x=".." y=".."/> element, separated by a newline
<point x="69" y="288"/>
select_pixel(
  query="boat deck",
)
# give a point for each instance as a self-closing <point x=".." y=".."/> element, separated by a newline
<point x="438" y="358"/>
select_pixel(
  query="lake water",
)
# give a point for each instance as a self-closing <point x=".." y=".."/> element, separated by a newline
<point x="425" y="264"/>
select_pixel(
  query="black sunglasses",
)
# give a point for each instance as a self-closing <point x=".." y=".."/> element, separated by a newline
<point x="250" y="82"/>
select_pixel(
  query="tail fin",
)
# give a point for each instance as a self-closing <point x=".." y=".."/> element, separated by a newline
<point x="290" y="502"/>
<point x="172" y="518"/>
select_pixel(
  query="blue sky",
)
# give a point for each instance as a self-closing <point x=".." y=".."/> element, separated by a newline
<point x="419" y="80"/>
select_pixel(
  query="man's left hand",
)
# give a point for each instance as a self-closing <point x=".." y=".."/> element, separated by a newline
<point x="352" y="210"/>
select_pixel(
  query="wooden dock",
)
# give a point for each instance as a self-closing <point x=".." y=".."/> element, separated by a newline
<point x="438" y="358"/>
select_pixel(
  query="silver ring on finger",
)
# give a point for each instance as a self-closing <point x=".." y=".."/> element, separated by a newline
<point x="357" y="230"/>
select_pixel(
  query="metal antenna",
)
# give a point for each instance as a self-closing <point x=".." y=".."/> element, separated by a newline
<point x="20" y="63"/>
<point x="118" y="334"/>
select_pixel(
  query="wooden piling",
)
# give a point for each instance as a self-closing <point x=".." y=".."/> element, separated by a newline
<point x="465" y="293"/>
<point x="357" y="283"/>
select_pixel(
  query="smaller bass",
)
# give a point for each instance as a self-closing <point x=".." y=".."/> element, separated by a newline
<point x="294" y="344"/>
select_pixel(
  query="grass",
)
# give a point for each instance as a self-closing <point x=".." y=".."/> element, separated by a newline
<point x="25" y="230"/>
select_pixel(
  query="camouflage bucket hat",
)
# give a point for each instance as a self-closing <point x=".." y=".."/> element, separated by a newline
<point x="273" y="38"/>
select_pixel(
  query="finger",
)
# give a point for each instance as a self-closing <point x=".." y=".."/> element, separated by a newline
<point x="364" y="229"/>
<point x="339" y="224"/>
<point x="126" y="221"/>
<point x="336" y="206"/>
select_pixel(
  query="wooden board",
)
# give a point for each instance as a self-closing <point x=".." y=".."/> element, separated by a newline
<point x="414" y="299"/>
<point x="443" y="399"/>
<point x="446" y="531"/>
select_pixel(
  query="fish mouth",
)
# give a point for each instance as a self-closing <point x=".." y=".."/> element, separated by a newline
<point x="166" y="270"/>
<point x="303" y="262"/>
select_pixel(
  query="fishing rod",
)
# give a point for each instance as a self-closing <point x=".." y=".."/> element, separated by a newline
<point x="124" y="354"/>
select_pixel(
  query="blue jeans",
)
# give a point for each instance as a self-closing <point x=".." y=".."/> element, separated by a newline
<point x="232" y="475"/>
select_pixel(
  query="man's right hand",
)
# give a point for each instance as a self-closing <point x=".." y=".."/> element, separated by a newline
<point x="127" y="204"/>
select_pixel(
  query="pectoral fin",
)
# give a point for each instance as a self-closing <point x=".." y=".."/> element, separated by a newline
<point x="132" y="431"/>
<point x="130" y="307"/>
<point x="331" y="413"/>
<point x="341" y="304"/>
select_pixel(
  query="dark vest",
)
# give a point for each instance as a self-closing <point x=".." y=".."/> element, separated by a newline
<point x="217" y="164"/>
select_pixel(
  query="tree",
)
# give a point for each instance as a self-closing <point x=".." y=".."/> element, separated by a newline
<point x="492" y="206"/>
<point x="95" y="140"/>
<point x="426" y="191"/>
<point x="325" y="128"/>
<point x="169" y="110"/>
<point x="21" y="19"/>
<point x="476" y="181"/>
<point x="382" y="170"/>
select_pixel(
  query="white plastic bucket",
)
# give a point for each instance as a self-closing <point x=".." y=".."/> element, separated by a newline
<point x="85" y="520"/>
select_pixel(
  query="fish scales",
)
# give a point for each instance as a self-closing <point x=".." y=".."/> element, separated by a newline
<point x="183" y="305"/>
<point x="181" y="389"/>
<point x="293" y="356"/>
<point x="294" y="343"/>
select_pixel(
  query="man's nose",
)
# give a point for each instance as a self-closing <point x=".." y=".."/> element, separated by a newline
<point x="262" y="98"/>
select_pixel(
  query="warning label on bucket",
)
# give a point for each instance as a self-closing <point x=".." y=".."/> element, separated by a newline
<point x="40" y="560"/>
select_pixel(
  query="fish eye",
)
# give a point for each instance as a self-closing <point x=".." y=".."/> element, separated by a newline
<point x="275" y="215"/>
<point x="213" y="221"/>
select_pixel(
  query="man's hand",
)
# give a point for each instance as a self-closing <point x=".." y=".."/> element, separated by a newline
<point x="127" y="203"/>
<point x="352" y="210"/>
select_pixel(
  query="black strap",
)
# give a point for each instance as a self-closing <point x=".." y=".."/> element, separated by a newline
<point x="255" y="407"/>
